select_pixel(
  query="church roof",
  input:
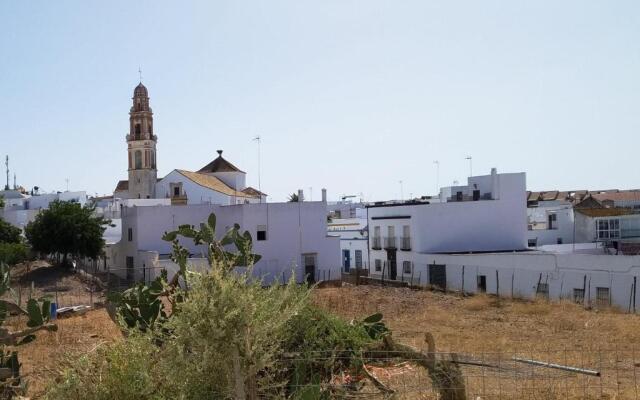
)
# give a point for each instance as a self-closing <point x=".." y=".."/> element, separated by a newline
<point x="122" y="186"/>
<point x="211" y="182"/>
<point x="140" y="90"/>
<point x="219" y="165"/>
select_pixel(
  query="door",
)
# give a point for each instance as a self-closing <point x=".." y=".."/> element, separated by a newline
<point x="438" y="276"/>
<point x="310" y="267"/>
<point x="482" y="283"/>
<point x="392" y="264"/>
<point x="129" y="269"/>
<point x="346" y="260"/>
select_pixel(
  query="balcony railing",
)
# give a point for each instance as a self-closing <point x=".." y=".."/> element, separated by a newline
<point x="406" y="243"/>
<point x="390" y="242"/>
<point x="375" y="243"/>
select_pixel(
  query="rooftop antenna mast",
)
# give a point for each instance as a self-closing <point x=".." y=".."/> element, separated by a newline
<point x="6" y="187"/>
<point x="257" y="139"/>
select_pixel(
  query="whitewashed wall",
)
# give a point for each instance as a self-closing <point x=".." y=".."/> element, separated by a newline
<point x="293" y="229"/>
<point x="519" y="273"/>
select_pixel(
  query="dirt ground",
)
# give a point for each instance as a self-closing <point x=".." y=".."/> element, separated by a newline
<point x="487" y="330"/>
<point x="76" y="335"/>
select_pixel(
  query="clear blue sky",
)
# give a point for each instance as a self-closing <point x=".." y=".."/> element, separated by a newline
<point x="348" y="95"/>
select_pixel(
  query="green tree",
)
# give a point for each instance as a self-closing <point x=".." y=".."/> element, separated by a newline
<point x="9" y="233"/>
<point x="67" y="228"/>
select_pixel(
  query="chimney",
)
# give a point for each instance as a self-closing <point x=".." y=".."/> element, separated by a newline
<point x="495" y="184"/>
<point x="324" y="195"/>
<point x="300" y="195"/>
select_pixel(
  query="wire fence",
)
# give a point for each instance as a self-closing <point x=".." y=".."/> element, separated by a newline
<point x="550" y="374"/>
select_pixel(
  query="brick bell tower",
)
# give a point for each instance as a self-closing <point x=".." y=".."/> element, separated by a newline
<point x="141" y="145"/>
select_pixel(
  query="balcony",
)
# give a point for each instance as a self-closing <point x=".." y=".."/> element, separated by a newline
<point x="390" y="242"/>
<point x="406" y="244"/>
<point x="375" y="243"/>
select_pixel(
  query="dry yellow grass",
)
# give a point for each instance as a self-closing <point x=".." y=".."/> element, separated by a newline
<point x="496" y="330"/>
<point x="77" y="335"/>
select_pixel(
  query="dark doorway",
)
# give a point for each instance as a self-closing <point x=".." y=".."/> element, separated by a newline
<point x="438" y="276"/>
<point x="482" y="283"/>
<point x="346" y="260"/>
<point x="130" y="269"/>
<point x="392" y="266"/>
<point x="310" y="267"/>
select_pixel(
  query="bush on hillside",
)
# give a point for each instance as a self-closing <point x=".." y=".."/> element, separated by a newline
<point x="13" y="253"/>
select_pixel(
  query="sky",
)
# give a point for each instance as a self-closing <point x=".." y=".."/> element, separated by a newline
<point x="352" y="96"/>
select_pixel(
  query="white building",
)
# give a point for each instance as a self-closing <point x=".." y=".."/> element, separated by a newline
<point x="20" y="209"/>
<point x="550" y="222"/>
<point x="354" y="241"/>
<point x="489" y="214"/>
<point x="289" y="237"/>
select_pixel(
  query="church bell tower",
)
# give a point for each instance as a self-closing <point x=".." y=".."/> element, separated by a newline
<point x="141" y="144"/>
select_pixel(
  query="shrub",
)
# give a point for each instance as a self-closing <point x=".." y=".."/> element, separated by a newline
<point x="13" y="253"/>
<point x="9" y="233"/>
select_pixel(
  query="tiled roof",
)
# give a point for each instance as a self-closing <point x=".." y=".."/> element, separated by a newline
<point x="213" y="183"/>
<point x="253" y="192"/>
<point x="627" y="195"/>
<point x="219" y="165"/>
<point x="604" y="212"/>
<point x="122" y="186"/>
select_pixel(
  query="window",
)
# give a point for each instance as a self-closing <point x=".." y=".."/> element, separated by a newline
<point x="358" y="258"/>
<point x="138" y="159"/>
<point x="559" y="241"/>
<point x="406" y="267"/>
<point x="176" y="191"/>
<point x="137" y="132"/>
<point x="608" y="229"/>
<point x="130" y="234"/>
<point x="602" y="296"/>
<point x="406" y="237"/>
<point x="262" y="233"/>
<point x="532" y="242"/>
<point x="552" y="221"/>
<point x="578" y="296"/>
<point x="378" y="265"/>
<point x="376" y="238"/>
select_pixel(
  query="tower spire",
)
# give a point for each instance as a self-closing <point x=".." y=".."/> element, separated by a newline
<point x="140" y="73"/>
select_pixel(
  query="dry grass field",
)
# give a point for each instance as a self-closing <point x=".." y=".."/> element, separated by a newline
<point x="488" y="330"/>
<point x="478" y="329"/>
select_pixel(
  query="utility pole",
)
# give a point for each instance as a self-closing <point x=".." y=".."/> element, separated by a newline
<point x="401" y="190"/>
<point x="6" y="187"/>
<point x="67" y="180"/>
<point x="470" y="165"/>
<point x="257" y="139"/>
<point x="437" y="163"/>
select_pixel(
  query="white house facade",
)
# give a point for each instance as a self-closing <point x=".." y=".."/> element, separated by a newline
<point x="291" y="238"/>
